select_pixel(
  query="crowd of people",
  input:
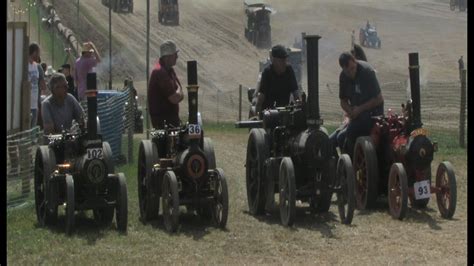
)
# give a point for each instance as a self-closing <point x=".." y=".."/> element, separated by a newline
<point x="55" y="95"/>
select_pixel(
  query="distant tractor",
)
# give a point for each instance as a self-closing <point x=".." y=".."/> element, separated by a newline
<point x="119" y="6"/>
<point x="462" y="4"/>
<point x="258" y="29"/>
<point x="368" y="37"/>
<point x="168" y="12"/>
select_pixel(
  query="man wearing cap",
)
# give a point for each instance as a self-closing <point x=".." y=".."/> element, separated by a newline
<point x="60" y="108"/>
<point x="89" y="58"/>
<point x="278" y="81"/>
<point x="164" y="90"/>
<point x="361" y="98"/>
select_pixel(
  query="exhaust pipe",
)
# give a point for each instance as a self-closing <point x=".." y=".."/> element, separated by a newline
<point x="313" y="117"/>
<point x="92" y="105"/>
<point x="192" y="92"/>
<point x="414" y="69"/>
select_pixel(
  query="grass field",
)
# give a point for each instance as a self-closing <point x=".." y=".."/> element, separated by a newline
<point x="373" y="238"/>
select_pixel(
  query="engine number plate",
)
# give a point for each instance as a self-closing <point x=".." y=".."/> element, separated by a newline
<point x="422" y="189"/>
<point x="194" y="131"/>
<point x="94" y="153"/>
<point x="418" y="132"/>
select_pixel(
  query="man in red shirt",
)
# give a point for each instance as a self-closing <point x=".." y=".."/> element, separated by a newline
<point x="165" y="91"/>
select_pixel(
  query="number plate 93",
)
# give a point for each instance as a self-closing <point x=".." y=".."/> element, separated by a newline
<point x="194" y="131"/>
<point x="94" y="153"/>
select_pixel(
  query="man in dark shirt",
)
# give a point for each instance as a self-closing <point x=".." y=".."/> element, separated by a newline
<point x="164" y="90"/>
<point x="361" y="98"/>
<point x="66" y="70"/>
<point x="278" y="81"/>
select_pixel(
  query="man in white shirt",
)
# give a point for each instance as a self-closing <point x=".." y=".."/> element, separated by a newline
<point x="33" y="78"/>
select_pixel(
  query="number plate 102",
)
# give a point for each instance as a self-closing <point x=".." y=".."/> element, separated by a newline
<point x="94" y="153"/>
<point x="422" y="189"/>
<point x="194" y="131"/>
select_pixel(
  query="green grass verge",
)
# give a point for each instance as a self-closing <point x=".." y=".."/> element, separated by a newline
<point x="27" y="243"/>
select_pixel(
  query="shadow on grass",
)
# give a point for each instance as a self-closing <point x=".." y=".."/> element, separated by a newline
<point x="304" y="218"/>
<point x="190" y="224"/>
<point x="84" y="227"/>
<point x="417" y="215"/>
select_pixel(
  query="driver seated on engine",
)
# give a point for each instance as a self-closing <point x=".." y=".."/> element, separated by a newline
<point x="360" y="97"/>
<point x="60" y="108"/>
<point x="278" y="81"/>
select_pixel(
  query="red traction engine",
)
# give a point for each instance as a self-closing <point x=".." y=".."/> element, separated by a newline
<point x="396" y="159"/>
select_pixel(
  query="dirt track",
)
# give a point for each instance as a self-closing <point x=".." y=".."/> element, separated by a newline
<point x="212" y="33"/>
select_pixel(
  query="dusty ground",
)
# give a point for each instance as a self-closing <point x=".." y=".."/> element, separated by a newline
<point x="212" y="33"/>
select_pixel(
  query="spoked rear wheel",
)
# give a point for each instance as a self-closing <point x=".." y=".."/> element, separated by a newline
<point x="447" y="195"/>
<point x="121" y="207"/>
<point x="170" y="201"/>
<point x="398" y="191"/>
<point x="287" y="192"/>
<point x="257" y="153"/>
<point x="366" y="172"/>
<point x="220" y="206"/>
<point x="346" y="190"/>
<point x="70" y="208"/>
<point x="45" y="161"/>
<point x="148" y="196"/>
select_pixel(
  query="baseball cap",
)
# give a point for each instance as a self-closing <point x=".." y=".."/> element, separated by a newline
<point x="168" y="47"/>
<point x="86" y="47"/>
<point x="279" y="51"/>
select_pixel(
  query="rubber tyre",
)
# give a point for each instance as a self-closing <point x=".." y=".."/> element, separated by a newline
<point x="170" y="201"/>
<point x="257" y="153"/>
<point x="108" y="157"/>
<point x="45" y="163"/>
<point x="220" y="206"/>
<point x="366" y="172"/>
<point x="448" y="190"/>
<point x="208" y="148"/>
<point x="121" y="207"/>
<point x="287" y="187"/>
<point x="148" y="193"/>
<point x="70" y="206"/>
<point x="397" y="191"/>
<point x="346" y="189"/>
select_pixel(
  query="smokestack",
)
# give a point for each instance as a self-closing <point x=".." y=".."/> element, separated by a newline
<point x="192" y="92"/>
<point x="414" y="69"/>
<point x="92" y="104"/>
<point x="313" y="118"/>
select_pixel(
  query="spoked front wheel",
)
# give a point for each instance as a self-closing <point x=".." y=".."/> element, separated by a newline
<point x="398" y="191"/>
<point x="346" y="189"/>
<point x="170" y="201"/>
<point x="220" y="208"/>
<point x="45" y="161"/>
<point x="446" y="183"/>
<point x="148" y="196"/>
<point x="287" y="192"/>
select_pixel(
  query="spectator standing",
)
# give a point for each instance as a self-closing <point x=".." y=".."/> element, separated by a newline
<point x="89" y="58"/>
<point x="33" y="79"/>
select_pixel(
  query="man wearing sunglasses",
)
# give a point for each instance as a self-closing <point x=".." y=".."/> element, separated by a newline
<point x="361" y="98"/>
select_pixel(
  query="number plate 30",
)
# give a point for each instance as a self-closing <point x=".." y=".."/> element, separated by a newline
<point x="94" y="153"/>
<point x="422" y="189"/>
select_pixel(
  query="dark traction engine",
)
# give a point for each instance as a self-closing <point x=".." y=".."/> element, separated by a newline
<point x="76" y="169"/>
<point x="178" y="165"/>
<point x="289" y="153"/>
